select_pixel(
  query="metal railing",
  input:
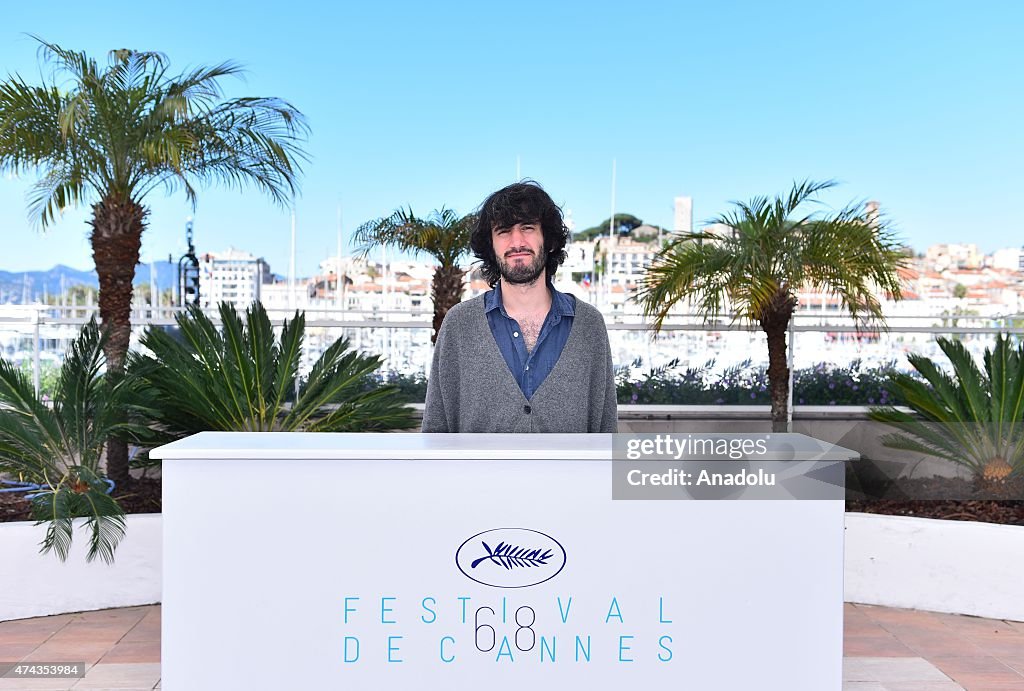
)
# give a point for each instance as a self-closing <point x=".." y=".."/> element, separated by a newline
<point x="41" y="334"/>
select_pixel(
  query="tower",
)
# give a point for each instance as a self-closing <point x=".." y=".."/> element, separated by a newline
<point x="683" y="218"/>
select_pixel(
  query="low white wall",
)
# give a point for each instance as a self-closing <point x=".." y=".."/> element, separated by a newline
<point x="35" y="585"/>
<point x="960" y="567"/>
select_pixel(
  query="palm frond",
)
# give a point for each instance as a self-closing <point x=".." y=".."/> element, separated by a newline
<point x="1005" y="367"/>
<point x="263" y="353"/>
<point x="286" y="368"/>
<point x="31" y="439"/>
<point x="78" y="392"/>
<point x="60" y="506"/>
<point x="336" y="378"/>
<point x="443" y="235"/>
<point x="56" y="191"/>
<point x="236" y="360"/>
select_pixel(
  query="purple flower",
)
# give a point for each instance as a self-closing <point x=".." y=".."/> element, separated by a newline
<point x="801" y="401"/>
<point x="753" y="395"/>
<point x="855" y="387"/>
<point x="635" y="397"/>
<point x="871" y="400"/>
<point x="831" y="385"/>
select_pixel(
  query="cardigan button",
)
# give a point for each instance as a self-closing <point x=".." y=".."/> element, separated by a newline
<point x="527" y="409"/>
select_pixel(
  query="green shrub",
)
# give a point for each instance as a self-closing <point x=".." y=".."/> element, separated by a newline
<point x="744" y="384"/>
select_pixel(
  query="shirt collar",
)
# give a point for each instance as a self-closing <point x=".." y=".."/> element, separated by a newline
<point x="561" y="304"/>
<point x="492" y="299"/>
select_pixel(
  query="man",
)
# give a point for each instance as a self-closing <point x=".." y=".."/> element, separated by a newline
<point x="522" y="357"/>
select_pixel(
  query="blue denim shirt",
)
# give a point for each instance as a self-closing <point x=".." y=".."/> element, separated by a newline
<point x="530" y="368"/>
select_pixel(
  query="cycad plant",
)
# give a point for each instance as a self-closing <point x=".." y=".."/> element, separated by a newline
<point x="970" y="417"/>
<point x="241" y="378"/>
<point x="59" y="448"/>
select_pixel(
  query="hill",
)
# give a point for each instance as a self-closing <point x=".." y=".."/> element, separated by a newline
<point x="22" y="287"/>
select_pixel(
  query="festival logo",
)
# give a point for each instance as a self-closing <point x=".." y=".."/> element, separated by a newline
<point x="510" y="557"/>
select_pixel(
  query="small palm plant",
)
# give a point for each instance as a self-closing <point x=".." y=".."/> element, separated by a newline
<point x="971" y="417"/>
<point x="772" y="249"/>
<point x="444" y="235"/>
<point x="60" y="449"/>
<point x="240" y="378"/>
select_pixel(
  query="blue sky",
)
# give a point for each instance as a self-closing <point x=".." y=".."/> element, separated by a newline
<point x="919" y="105"/>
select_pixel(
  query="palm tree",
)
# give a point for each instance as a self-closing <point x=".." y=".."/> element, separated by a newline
<point x="57" y="449"/>
<point x="240" y="378"/>
<point x="771" y="252"/>
<point x="443" y="235"/>
<point x="109" y="136"/>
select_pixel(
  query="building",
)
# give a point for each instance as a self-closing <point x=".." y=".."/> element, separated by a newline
<point x="627" y="260"/>
<point x="954" y="256"/>
<point x="579" y="259"/>
<point x="233" y="276"/>
<point x="682" y="221"/>
<point x="1009" y="258"/>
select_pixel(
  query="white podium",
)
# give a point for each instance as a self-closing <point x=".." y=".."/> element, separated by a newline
<point x="409" y="561"/>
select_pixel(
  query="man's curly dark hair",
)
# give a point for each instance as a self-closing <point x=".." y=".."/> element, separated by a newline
<point x="519" y="203"/>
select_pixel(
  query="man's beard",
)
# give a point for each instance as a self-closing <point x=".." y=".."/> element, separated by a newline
<point x="521" y="273"/>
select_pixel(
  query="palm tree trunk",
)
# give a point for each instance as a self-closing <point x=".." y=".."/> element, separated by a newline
<point x="446" y="292"/>
<point x="774" y="321"/>
<point x="116" y="238"/>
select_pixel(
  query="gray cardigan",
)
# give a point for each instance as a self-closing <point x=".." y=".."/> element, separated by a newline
<point x="471" y="389"/>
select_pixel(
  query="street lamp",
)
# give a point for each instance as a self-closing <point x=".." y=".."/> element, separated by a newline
<point x="188" y="272"/>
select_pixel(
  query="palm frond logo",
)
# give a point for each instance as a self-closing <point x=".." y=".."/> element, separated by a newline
<point x="512" y="556"/>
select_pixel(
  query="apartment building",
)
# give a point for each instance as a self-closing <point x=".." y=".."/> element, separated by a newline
<point x="233" y="276"/>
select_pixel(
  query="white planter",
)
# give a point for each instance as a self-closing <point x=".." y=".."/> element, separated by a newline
<point x="35" y="585"/>
<point x="959" y="567"/>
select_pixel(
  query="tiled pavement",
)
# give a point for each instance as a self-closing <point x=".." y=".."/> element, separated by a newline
<point x="885" y="650"/>
<point x="904" y="650"/>
<point x="120" y="647"/>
